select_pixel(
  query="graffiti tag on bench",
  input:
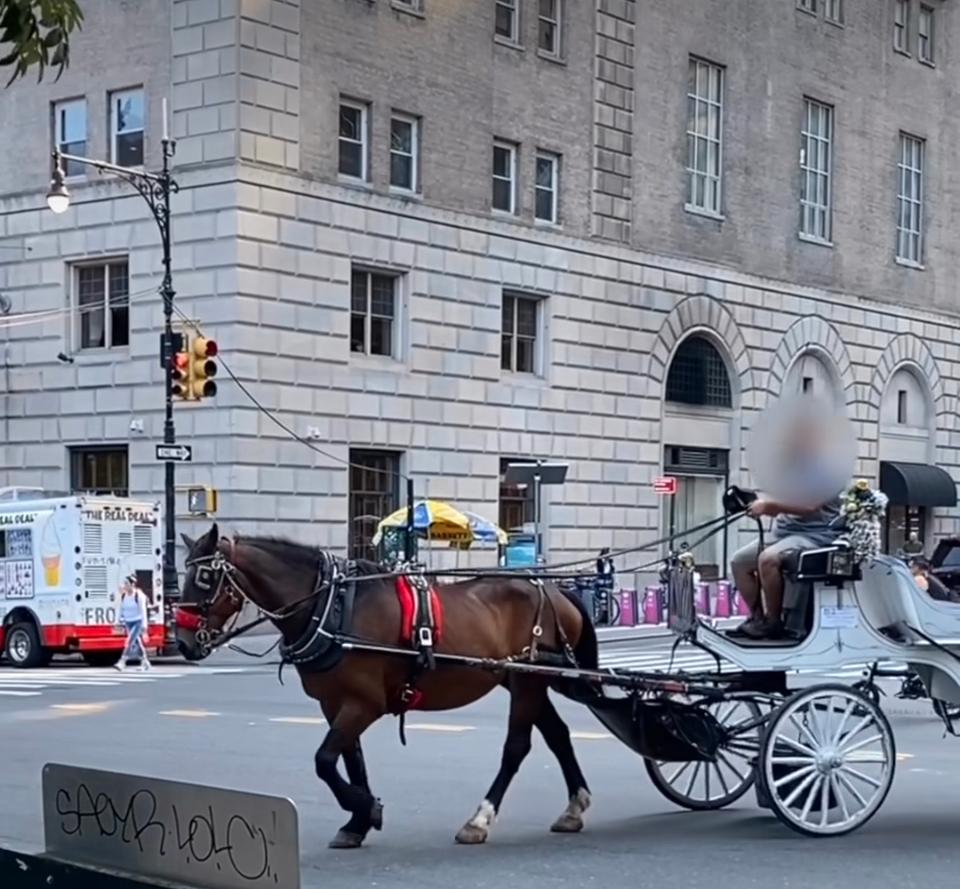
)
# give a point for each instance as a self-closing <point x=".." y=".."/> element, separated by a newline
<point x="202" y="836"/>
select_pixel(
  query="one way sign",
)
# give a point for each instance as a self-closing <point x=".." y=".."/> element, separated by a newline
<point x="180" y="453"/>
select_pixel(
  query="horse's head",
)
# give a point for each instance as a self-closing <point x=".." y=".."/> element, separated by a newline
<point x="210" y="596"/>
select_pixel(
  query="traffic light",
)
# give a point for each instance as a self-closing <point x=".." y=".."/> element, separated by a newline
<point x="180" y="375"/>
<point x="203" y="368"/>
<point x="202" y="500"/>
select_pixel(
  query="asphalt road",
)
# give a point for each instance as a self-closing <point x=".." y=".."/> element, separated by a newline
<point x="245" y="731"/>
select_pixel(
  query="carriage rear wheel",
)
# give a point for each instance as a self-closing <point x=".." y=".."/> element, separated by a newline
<point x="702" y="786"/>
<point x="827" y="760"/>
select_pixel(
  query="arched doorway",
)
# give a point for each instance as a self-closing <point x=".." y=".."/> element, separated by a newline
<point x="812" y="373"/>
<point x="698" y="433"/>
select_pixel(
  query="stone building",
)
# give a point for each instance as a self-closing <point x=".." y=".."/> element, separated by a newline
<point x="435" y="236"/>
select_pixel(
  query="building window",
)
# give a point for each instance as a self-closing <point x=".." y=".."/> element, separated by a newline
<point x="516" y="501"/>
<point x="506" y="20"/>
<point x="126" y="128"/>
<point x="698" y="375"/>
<point x="103" y="305"/>
<point x="902" y="407"/>
<point x="548" y="38"/>
<point x="833" y="11"/>
<point x="404" y="152"/>
<point x="815" y="170"/>
<point x="925" y="35"/>
<point x="808" y="6"/>
<point x="70" y="132"/>
<point x="910" y="200"/>
<point x="505" y="177"/>
<point x="373" y="313"/>
<point x="704" y="134"/>
<point x="901" y="15"/>
<point x="100" y="470"/>
<point x="415" y="5"/>
<point x="547" y="187"/>
<point x="353" y="140"/>
<point x="374" y="494"/>
<point x="806" y="385"/>
<point x="518" y="340"/>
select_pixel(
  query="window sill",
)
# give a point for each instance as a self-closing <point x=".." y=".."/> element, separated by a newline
<point x="813" y="239"/>
<point x="903" y="52"/>
<point x="353" y="181"/>
<point x="507" y="42"/>
<point x="363" y="361"/>
<point x="551" y="57"/>
<point x="928" y="62"/>
<point x="910" y="264"/>
<point x="408" y="10"/>
<point x="99" y="356"/>
<point x="518" y="378"/>
<point x="550" y="225"/>
<point x="810" y="12"/>
<point x="694" y="210"/>
<point x="505" y="214"/>
<point x="405" y="193"/>
<point x="835" y="23"/>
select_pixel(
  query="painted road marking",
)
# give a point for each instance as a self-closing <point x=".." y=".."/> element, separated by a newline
<point x="438" y="727"/>
<point x="20" y="694"/>
<point x="591" y="736"/>
<point x="299" y="720"/>
<point x="189" y="714"/>
<point x="81" y="708"/>
<point x="904" y="756"/>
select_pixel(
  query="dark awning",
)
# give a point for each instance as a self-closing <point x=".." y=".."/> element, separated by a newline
<point x="916" y="484"/>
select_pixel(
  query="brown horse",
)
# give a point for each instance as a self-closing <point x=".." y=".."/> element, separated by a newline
<point x="496" y="617"/>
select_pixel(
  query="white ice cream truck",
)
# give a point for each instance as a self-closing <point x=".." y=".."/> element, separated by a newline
<point x="62" y="560"/>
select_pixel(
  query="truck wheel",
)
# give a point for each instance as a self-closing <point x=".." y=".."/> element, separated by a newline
<point x="22" y="646"/>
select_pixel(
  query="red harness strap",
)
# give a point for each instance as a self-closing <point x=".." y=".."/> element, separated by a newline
<point x="411" y="621"/>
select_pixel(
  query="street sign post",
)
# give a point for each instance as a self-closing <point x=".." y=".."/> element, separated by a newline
<point x="666" y="486"/>
<point x="175" y="452"/>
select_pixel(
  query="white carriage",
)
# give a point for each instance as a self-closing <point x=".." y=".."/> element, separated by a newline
<point x="823" y="757"/>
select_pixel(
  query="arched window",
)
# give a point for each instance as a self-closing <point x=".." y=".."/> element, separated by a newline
<point x="698" y="375"/>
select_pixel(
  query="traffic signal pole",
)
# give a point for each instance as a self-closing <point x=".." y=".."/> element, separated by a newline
<point x="171" y="587"/>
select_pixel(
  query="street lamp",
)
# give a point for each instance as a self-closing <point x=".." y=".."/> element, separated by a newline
<point x="155" y="189"/>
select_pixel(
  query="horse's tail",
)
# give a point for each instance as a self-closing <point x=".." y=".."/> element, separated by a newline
<point x="586" y="652"/>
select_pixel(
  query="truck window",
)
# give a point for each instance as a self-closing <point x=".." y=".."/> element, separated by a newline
<point x="952" y="558"/>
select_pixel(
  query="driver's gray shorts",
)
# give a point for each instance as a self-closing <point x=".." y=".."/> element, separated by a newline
<point x="745" y="558"/>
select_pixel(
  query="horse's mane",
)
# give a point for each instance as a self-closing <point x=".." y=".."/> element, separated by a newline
<point x="303" y="555"/>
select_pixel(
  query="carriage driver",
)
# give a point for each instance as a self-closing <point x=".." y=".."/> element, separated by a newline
<point x="806" y="516"/>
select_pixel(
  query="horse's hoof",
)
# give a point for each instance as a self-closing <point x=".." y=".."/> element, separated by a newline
<point x="346" y="840"/>
<point x="376" y="815"/>
<point x="472" y="835"/>
<point x="567" y="823"/>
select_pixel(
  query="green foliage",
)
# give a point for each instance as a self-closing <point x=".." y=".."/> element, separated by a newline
<point x="36" y="34"/>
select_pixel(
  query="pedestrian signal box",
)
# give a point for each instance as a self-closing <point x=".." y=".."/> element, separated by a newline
<point x="202" y="500"/>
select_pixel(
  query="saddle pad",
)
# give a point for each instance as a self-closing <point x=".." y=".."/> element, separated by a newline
<point x="410" y="616"/>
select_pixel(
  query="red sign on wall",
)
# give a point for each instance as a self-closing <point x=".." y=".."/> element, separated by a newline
<point x="666" y="486"/>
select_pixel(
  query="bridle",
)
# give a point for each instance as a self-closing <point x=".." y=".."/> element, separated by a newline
<point x="218" y="573"/>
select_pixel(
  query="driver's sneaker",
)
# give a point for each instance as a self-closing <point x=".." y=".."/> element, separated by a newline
<point x="744" y="629"/>
<point x="767" y="628"/>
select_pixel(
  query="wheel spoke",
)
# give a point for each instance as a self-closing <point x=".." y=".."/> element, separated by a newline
<point x="803" y="785"/>
<point x="843" y="722"/>
<point x="706" y="780"/>
<point x="793" y="776"/>
<point x="816" y="726"/>
<point x="723" y="783"/>
<point x="803" y="730"/>
<point x="693" y="778"/>
<point x="845" y="781"/>
<point x="731" y="766"/>
<point x="861" y="725"/>
<point x="676" y="775"/>
<point x="791" y="760"/>
<point x="846" y="750"/>
<point x="825" y="802"/>
<point x="873" y="782"/>
<point x="811" y="796"/>
<point x="796" y="745"/>
<point x="835" y="787"/>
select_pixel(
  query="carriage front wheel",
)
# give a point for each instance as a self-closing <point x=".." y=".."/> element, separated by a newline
<point x="702" y="786"/>
<point x="827" y="760"/>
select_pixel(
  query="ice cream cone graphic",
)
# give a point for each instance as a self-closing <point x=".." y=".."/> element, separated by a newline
<point x="50" y="554"/>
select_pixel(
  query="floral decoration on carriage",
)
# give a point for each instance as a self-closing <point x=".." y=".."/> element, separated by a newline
<point x="863" y="509"/>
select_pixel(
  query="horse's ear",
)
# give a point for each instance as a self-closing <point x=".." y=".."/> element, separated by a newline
<point x="188" y="542"/>
<point x="214" y="534"/>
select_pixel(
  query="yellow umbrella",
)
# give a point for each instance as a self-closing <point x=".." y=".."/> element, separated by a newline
<point x="431" y="518"/>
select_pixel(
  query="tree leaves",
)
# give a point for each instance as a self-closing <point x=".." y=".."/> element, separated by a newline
<point x="36" y="34"/>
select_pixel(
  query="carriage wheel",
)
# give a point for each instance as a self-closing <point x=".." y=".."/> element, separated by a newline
<point x="713" y="785"/>
<point x="828" y="759"/>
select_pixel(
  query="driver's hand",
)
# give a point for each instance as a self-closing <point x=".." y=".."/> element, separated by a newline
<point x="758" y="508"/>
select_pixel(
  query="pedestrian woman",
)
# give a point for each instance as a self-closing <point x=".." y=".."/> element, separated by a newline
<point x="132" y="613"/>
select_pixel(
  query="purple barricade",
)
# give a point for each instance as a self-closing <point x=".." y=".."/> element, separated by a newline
<point x="628" y="608"/>
<point x="652" y="610"/>
<point x="722" y="605"/>
<point x="703" y="598"/>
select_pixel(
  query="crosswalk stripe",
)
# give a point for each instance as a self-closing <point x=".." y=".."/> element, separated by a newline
<point x="20" y="694"/>
<point x="189" y="714"/>
<point x="438" y="727"/>
<point x="299" y="720"/>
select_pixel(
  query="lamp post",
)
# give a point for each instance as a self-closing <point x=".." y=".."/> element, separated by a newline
<point x="155" y="189"/>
